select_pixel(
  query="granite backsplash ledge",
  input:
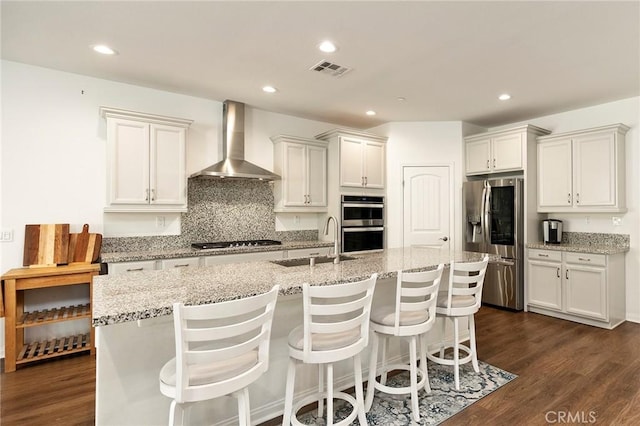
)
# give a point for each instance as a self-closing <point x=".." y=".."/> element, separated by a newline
<point x="596" y="239"/>
<point x="219" y="210"/>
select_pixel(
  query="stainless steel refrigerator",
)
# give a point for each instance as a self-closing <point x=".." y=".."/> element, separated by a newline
<point x="493" y="222"/>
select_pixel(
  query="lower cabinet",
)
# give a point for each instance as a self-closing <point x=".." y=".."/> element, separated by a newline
<point x="126" y="267"/>
<point x="242" y="257"/>
<point x="587" y="288"/>
<point x="307" y="252"/>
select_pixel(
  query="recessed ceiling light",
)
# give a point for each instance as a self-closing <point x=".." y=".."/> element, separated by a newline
<point x="401" y="99"/>
<point x="371" y="112"/>
<point x="504" y="97"/>
<point x="327" y="47"/>
<point x="104" y="49"/>
<point x="269" y="89"/>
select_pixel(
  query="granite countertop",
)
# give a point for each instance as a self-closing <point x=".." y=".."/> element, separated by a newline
<point x="147" y="294"/>
<point x="115" y="257"/>
<point x="581" y="248"/>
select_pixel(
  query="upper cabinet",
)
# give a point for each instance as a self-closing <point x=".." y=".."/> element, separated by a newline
<point x="582" y="171"/>
<point x="302" y="164"/>
<point x="501" y="151"/>
<point x="146" y="158"/>
<point x="362" y="158"/>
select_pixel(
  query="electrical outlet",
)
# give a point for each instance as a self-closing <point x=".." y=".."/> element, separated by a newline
<point x="160" y="222"/>
<point x="617" y="221"/>
<point x="587" y="220"/>
<point x="6" y="235"/>
<point x="296" y="219"/>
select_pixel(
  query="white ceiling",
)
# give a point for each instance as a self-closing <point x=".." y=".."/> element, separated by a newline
<point x="450" y="60"/>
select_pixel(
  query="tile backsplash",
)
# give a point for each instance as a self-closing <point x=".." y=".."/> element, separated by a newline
<point x="219" y="210"/>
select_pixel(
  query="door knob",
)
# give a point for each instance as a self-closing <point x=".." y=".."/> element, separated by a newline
<point x="444" y="238"/>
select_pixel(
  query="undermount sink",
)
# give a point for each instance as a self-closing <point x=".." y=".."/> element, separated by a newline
<point x="307" y="260"/>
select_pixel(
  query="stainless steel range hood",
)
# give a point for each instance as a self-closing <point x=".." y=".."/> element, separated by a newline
<point x="233" y="164"/>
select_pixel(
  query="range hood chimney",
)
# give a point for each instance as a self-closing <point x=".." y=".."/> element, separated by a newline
<point x="233" y="164"/>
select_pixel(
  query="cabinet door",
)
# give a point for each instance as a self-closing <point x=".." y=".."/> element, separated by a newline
<point x="586" y="291"/>
<point x="554" y="175"/>
<point x="351" y="162"/>
<point x="294" y="186"/>
<point x="545" y="284"/>
<point x="168" y="175"/>
<point x="506" y="152"/>
<point x="128" y="142"/>
<point x="374" y="164"/>
<point x="317" y="176"/>
<point x="478" y="153"/>
<point x="594" y="170"/>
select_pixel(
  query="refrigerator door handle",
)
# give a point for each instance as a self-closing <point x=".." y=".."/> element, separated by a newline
<point x="485" y="212"/>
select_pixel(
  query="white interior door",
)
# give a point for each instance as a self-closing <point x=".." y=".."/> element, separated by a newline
<point x="427" y="205"/>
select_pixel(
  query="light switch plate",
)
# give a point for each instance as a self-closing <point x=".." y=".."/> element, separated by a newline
<point x="6" y="235"/>
<point x="617" y="221"/>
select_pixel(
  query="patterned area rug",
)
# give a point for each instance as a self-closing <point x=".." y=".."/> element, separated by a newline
<point x="443" y="402"/>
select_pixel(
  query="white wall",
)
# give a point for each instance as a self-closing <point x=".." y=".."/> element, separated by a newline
<point x="420" y="144"/>
<point x="53" y="151"/>
<point x="625" y="111"/>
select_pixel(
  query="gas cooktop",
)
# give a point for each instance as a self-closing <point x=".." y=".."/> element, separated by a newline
<point x="228" y="244"/>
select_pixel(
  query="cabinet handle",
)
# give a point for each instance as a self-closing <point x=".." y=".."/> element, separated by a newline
<point x="569" y="198"/>
<point x="366" y="181"/>
<point x="566" y="274"/>
<point x="558" y="272"/>
<point x="543" y="255"/>
<point x="487" y="164"/>
<point x="134" y="269"/>
<point x="494" y="163"/>
<point x="146" y="197"/>
<point x="577" y="198"/>
<point x="584" y="259"/>
<point x="183" y="265"/>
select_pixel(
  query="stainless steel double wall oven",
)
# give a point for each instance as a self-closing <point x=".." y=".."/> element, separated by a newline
<point x="362" y="223"/>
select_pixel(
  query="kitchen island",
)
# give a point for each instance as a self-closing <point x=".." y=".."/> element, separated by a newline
<point x="132" y="313"/>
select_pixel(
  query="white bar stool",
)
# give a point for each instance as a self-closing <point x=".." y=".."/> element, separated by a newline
<point x="221" y="348"/>
<point x="335" y="327"/>
<point x="410" y="317"/>
<point x="462" y="299"/>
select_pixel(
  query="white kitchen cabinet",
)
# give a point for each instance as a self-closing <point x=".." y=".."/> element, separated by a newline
<point x="501" y="151"/>
<point x="146" y="162"/>
<point x="582" y="171"/>
<point x="243" y="257"/>
<point x="302" y="165"/>
<point x="586" y="288"/>
<point x="128" y="267"/>
<point x="307" y="252"/>
<point x="362" y="158"/>
<point x="545" y="279"/>
<point x="182" y="262"/>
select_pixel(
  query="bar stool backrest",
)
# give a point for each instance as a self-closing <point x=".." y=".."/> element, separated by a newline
<point x="465" y="281"/>
<point x="219" y="333"/>
<point x="416" y="291"/>
<point x="334" y="312"/>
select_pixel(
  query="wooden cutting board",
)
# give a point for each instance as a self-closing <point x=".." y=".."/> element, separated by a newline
<point x="84" y="247"/>
<point x="46" y="245"/>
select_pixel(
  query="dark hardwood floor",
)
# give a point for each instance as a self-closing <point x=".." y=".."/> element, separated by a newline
<point x="568" y="374"/>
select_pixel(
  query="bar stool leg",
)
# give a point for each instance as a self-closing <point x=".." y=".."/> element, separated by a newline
<point x="330" y="394"/>
<point x="472" y="344"/>
<point x="320" y="390"/>
<point x="357" y="368"/>
<point x="456" y="353"/>
<point x="383" y="375"/>
<point x="423" y="362"/>
<point x="413" y="374"/>
<point x="373" y="360"/>
<point x="288" y="398"/>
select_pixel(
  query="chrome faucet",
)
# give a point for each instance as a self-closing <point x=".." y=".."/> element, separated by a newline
<point x="336" y="244"/>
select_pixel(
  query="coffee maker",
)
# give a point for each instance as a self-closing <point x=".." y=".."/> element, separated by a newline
<point x="552" y="231"/>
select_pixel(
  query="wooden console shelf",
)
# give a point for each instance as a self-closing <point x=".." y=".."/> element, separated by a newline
<point x="15" y="281"/>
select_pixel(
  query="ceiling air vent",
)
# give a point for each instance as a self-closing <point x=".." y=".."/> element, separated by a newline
<point x="326" y="67"/>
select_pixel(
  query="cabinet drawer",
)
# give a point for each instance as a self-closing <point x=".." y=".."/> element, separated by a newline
<point x="586" y="259"/>
<point x="183" y="262"/>
<point x="307" y="252"/>
<point x="125" y="267"/>
<point x="242" y="258"/>
<point x="555" y="256"/>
